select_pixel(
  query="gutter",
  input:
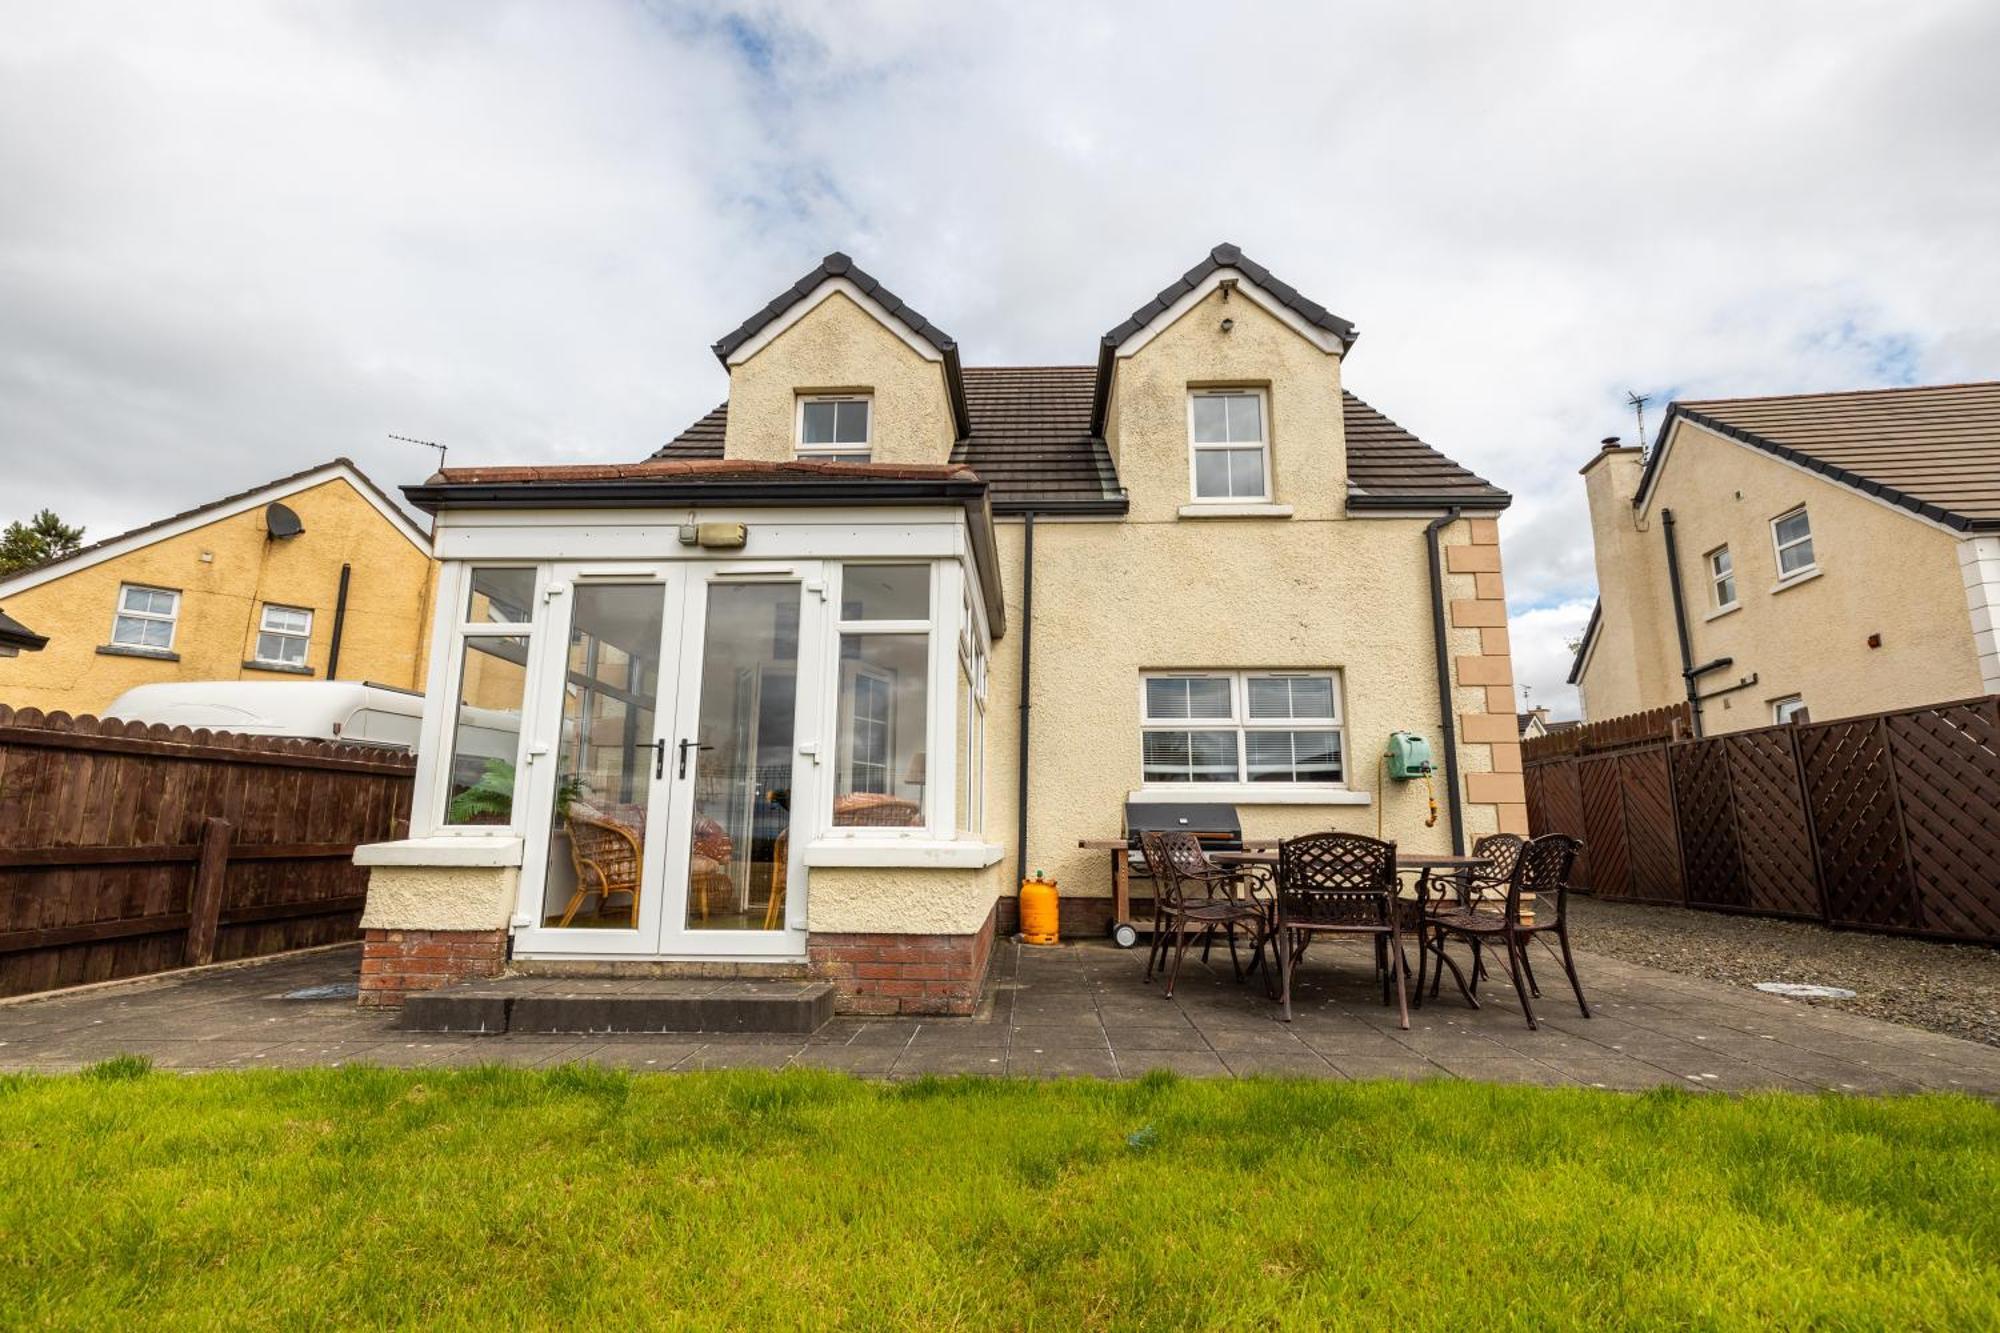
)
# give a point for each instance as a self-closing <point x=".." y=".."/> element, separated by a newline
<point x="1447" y="707"/>
<point x="1027" y="667"/>
<point x="1690" y="673"/>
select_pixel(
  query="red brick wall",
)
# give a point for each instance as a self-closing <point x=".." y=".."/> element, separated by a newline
<point x="903" y="974"/>
<point x="396" y="962"/>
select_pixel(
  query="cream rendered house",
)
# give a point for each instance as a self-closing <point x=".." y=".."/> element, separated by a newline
<point x="1837" y="553"/>
<point x="813" y="687"/>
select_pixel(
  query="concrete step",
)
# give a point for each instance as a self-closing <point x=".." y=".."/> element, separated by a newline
<point x="573" y="1004"/>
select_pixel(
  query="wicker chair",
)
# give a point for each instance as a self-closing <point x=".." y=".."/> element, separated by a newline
<point x="1186" y="903"/>
<point x="1543" y="870"/>
<point x="864" y="809"/>
<point x="606" y="857"/>
<point x="1339" y="884"/>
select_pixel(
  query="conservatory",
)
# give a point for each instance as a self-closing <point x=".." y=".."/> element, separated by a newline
<point x="664" y="697"/>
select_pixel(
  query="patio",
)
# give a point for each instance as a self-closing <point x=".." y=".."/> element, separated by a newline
<point x="1078" y="1010"/>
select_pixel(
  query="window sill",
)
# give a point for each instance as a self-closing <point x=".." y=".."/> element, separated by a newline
<point x="1803" y="576"/>
<point x="1722" y="611"/>
<point x="1251" y="793"/>
<point x="1220" y="510"/>
<point x="925" y="853"/>
<point x="127" y="650"/>
<point x="478" y="850"/>
<point x="283" y="668"/>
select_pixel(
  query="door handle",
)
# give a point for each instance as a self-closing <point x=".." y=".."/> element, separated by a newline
<point x="659" y="749"/>
<point x="685" y="747"/>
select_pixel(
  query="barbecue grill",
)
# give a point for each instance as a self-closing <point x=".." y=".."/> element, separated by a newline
<point x="1216" y="825"/>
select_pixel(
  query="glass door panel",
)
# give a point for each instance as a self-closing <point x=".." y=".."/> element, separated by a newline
<point x="738" y="758"/>
<point x="608" y="757"/>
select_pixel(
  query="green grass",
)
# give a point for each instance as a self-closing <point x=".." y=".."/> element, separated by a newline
<point x="496" y="1197"/>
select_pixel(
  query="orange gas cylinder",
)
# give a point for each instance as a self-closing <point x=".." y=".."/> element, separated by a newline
<point x="1039" y="915"/>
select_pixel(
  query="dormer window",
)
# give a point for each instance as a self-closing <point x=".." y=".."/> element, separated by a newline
<point x="833" y="428"/>
<point x="1230" y="453"/>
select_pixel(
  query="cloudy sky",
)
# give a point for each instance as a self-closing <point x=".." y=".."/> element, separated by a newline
<point x="238" y="240"/>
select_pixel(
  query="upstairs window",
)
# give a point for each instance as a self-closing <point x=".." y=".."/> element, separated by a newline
<point x="284" y="635"/>
<point x="145" y="617"/>
<point x="1792" y="535"/>
<point x="1722" y="577"/>
<point x="835" y="428"/>
<point x="1230" y="451"/>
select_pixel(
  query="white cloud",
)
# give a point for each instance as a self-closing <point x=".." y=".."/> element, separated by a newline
<point x="1541" y="640"/>
<point x="242" y="238"/>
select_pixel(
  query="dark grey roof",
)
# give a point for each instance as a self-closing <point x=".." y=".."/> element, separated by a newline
<point x="13" y="634"/>
<point x="1222" y="256"/>
<point x="1031" y="442"/>
<point x="1389" y="468"/>
<point x="838" y="265"/>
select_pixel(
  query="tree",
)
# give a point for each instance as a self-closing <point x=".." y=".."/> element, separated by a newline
<point x="43" y="537"/>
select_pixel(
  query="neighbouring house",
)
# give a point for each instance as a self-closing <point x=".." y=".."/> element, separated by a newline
<point x="815" y="685"/>
<point x="315" y="575"/>
<point x="1831" y="552"/>
<point x="16" y="638"/>
<point x="1536" y="722"/>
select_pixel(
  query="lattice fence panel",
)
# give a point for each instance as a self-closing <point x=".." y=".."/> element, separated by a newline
<point x="1709" y="856"/>
<point x="1847" y="782"/>
<point x="1947" y="767"/>
<point x="1771" y="833"/>
<point x="1652" y="847"/>
<point x="1603" y="802"/>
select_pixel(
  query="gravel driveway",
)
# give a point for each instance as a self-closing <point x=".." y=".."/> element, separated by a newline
<point x="1949" y="988"/>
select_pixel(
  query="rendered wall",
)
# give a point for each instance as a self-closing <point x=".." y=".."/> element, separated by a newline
<point x="388" y="609"/>
<point x="839" y="347"/>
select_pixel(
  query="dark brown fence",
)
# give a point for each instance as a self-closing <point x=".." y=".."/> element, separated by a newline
<point x="1888" y="822"/>
<point x="127" y="849"/>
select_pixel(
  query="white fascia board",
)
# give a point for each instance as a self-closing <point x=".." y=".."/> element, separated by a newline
<point x="807" y="304"/>
<point x="1318" y="337"/>
<point x="139" y="540"/>
<point x="654" y="534"/>
<point x="1682" y="423"/>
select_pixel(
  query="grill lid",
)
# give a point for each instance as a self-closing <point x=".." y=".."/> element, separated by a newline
<point x="1210" y="820"/>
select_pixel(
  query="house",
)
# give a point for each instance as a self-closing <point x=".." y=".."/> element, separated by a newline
<point x="1831" y="552"/>
<point x="318" y="574"/>
<point x="812" y="688"/>
<point x="1537" y="722"/>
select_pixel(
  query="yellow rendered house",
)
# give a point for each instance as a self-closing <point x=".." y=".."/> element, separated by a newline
<point x="809" y="692"/>
<point x="314" y="576"/>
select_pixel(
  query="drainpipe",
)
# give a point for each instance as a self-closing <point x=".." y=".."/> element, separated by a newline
<point x="1447" y="707"/>
<point x="1027" y="667"/>
<point x="1688" y="673"/>
<point x="339" y="622"/>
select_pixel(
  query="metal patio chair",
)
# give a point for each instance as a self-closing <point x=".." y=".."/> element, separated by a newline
<point x="1339" y="884"/>
<point x="1186" y="903"/>
<point x="1543" y="870"/>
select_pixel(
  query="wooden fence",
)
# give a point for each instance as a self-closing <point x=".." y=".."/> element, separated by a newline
<point x="127" y="849"/>
<point x="1889" y="822"/>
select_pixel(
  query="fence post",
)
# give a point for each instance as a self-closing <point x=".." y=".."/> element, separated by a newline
<point x="205" y="901"/>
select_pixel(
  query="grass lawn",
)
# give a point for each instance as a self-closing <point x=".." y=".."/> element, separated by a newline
<point x="506" y="1197"/>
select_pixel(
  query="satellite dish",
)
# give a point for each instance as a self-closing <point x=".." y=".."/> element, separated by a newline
<point x="280" y="523"/>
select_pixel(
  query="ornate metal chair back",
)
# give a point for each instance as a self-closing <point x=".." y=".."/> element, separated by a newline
<point x="1543" y="870"/>
<point x="1336" y="879"/>
<point x="1502" y="852"/>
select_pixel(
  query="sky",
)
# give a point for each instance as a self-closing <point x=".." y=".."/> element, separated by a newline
<point x="237" y="240"/>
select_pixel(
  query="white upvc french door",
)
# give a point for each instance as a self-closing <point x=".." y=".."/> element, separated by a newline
<point x="672" y="747"/>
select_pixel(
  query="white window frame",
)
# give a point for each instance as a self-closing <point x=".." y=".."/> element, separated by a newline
<point x="303" y="637"/>
<point x="1778" y="548"/>
<point x="1263" y="444"/>
<point x="939" y="716"/>
<point x="457" y="615"/>
<point x="1782" y="709"/>
<point x="833" y="452"/>
<point x="1718" y="577"/>
<point x="171" y="619"/>
<point x="1240" y="721"/>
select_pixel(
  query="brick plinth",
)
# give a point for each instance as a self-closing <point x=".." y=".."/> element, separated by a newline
<point x="903" y="974"/>
<point x="396" y="962"/>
